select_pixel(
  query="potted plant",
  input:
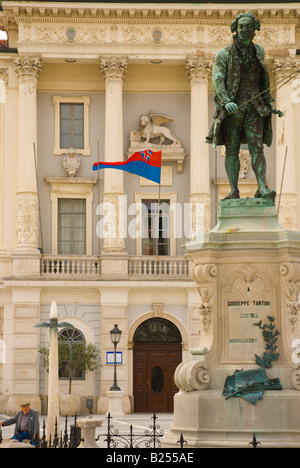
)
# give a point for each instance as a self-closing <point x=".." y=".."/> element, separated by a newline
<point x="74" y="359"/>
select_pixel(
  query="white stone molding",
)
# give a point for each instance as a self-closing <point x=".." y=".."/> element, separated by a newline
<point x="113" y="68"/>
<point x="147" y="30"/>
<point x="4" y="73"/>
<point x="205" y="276"/>
<point x="28" y="69"/>
<point x="27" y="221"/>
<point x="192" y="375"/>
<point x="290" y="274"/>
<point x="71" y="162"/>
<point x="114" y="212"/>
<point x="199" y="68"/>
<point x="296" y="379"/>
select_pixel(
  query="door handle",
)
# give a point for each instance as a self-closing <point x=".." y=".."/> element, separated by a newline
<point x="148" y="385"/>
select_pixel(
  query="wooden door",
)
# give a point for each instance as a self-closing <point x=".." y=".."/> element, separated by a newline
<point x="154" y="365"/>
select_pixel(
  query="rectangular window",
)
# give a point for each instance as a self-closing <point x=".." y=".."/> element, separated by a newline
<point x="71" y="125"/>
<point x="71" y="226"/>
<point x="155" y="227"/>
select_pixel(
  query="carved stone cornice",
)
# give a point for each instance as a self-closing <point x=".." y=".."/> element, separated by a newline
<point x="27" y="68"/>
<point x="20" y="10"/>
<point x="199" y="69"/>
<point x="113" y="68"/>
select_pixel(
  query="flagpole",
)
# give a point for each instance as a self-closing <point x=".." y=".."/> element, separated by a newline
<point x="159" y="189"/>
<point x="98" y="189"/>
<point x="37" y="188"/>
<point x="283" y="170"/>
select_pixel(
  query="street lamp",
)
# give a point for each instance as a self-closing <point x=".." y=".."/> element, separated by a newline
<point x="115" y="335"/>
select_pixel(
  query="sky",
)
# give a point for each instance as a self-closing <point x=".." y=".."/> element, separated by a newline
<point x="3" y="35"/>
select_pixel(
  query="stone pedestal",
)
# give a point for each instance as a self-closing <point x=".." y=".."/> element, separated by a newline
<point x="88" y="432"/>
<point x="115" y="406"/>
<point x="246" y="270"/>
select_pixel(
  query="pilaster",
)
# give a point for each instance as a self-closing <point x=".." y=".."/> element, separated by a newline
<point x="285" y="144"/>
<point x="27" y="70"/>
<point x="114" y="70"/>
<point x="198" y="71"/>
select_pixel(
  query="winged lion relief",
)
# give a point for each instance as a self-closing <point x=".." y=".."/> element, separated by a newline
<point x="151" y="128"/>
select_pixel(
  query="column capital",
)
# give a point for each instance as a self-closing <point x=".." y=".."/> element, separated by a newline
<point x="199" y="69"/>
<point x="27" y="68"/>
<point x="284" y="66"/>
<point x="114" y="68"/>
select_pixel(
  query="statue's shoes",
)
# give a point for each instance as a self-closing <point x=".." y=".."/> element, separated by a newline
<point x="266" y="193"/>
<point x="232" y="195"/>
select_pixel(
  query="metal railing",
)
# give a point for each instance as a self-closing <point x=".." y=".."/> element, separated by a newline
<point x="151" y="438"/>
<point x="112" y="438"/>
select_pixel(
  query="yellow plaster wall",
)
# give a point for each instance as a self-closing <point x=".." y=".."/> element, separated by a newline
<point x="77" y="77"/>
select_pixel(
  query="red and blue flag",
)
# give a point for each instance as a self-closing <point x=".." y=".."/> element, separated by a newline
<point x="145" y="163"/>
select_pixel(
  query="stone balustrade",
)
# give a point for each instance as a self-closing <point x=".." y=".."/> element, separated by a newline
<point x="140" y="268"/>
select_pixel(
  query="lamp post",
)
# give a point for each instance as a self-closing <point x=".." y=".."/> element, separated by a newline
<point x="115" y="335"/>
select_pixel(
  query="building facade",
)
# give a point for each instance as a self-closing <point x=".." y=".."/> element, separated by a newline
<point x="84" y="82"/>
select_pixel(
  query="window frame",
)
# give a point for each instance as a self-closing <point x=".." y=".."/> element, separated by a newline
<point x="154" y="221"/>
<point x="68" y="342"/>
<point x="172" y="198"/>
<point x="72" y="188"/>
<point x="72" y="227"/>
<point x="86" y="101"/>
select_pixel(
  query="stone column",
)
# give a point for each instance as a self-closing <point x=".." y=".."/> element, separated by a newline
<point x="27" y="70"/>
<point x="3" y="94"/>
<point x="114" y="70"/>
<point x="198" y="71"/>
<point x="285" y="137"/>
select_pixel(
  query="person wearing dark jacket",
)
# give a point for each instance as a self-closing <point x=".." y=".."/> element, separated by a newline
<point x="27" y="424"/>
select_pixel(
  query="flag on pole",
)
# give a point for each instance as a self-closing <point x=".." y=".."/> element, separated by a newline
<point x="145" y="163"/>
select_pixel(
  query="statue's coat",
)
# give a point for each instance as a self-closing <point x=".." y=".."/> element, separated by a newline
<point x="225" y="83"/>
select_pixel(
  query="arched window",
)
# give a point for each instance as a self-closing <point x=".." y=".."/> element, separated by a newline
<point x="69" y="340"/>
<point x="157" y="330"/>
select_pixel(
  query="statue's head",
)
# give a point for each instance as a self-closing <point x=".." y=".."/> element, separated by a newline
<point x="245" y="26"/>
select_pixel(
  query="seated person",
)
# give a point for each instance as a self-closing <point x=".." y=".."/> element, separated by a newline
<point x="27" y="423"/>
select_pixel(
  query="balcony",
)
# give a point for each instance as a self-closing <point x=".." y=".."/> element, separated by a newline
<point x="139" y="268"/>
<point x="60" y="266"/>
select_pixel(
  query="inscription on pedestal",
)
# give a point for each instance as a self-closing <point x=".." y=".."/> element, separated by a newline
<point x="248" y="300"/>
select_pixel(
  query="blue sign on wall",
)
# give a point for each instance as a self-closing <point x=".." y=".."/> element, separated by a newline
<point x="110" y="357"/>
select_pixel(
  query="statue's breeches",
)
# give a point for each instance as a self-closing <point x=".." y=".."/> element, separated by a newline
<point x="244" y="125"/>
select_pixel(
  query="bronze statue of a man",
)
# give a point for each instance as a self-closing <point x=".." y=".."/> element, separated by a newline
<point x="241" y="87"/>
